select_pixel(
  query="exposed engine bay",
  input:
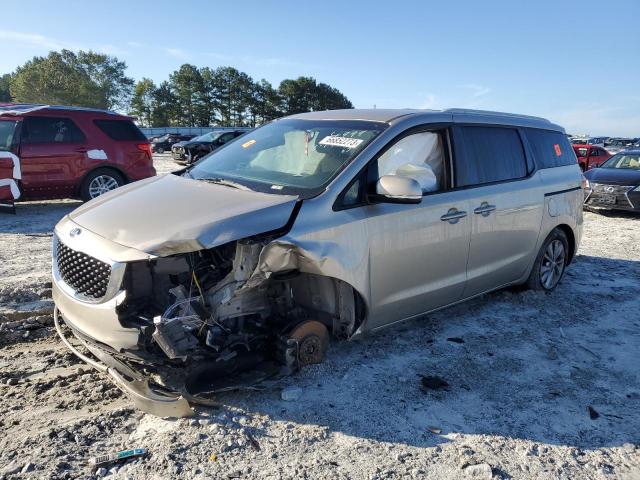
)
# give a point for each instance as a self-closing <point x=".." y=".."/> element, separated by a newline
<point x="212" y="321"/>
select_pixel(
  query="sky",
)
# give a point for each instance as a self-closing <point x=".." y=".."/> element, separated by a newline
<point x="576" y="63"/>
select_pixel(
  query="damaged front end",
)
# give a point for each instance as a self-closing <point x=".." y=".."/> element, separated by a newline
<point x="223" y="318"/>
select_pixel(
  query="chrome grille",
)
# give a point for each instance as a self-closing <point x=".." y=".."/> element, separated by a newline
<point x="610" y="189"/>
<point x="600" y="190"/>
<point x="88" y="276"/>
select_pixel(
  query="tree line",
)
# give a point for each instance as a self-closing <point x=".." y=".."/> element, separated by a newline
<point x="192" y="96"/>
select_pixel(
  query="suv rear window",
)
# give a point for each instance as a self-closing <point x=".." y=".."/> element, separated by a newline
<point x="50" y="130"/>
<point x="491" y="154"/>
<point x="120" y="130"/>
<point x="550" y="149"/>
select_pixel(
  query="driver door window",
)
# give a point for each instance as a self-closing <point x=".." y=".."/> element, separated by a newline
<point x="419" y="156"/>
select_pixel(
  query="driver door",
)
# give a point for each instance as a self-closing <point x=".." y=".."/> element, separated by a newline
<point x="418" y="252"/>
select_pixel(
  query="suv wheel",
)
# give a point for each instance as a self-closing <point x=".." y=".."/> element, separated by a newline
<point x="550" y="263"/>
<point x="160" y="150"/>
<point x="100" y="181"/>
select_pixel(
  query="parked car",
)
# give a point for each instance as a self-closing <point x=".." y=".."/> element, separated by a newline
<point x="165" y="142"/>
<point x="618" y="144"/>
<point x="193" y="150"/>
<point x="590" y="156"/>
<point x="616" y="184"/>
<point x="70" y="152"/>
<point x="341" y="221"/>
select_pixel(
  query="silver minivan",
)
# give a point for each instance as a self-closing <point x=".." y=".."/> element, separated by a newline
<point x="240" y="267"/>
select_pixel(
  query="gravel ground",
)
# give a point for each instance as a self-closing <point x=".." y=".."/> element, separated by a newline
<point x="539" y="385"/>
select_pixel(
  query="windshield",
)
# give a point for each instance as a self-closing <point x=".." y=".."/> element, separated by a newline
<point x="7" y="128"/>
<point x="289" y="156"/>
<point x="207" y="137"/>
<point x="627" y="161"/>
<point x="620" y="142"/>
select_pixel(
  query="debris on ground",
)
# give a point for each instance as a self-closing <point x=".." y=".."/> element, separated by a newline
<point x="118" y="456"/>
<point x="290" y="394"/>
<point x="434" y="383"/>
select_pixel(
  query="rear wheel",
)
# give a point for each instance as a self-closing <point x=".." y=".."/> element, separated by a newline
<point x="550" y="263"/>
<point x="100" y="181"/>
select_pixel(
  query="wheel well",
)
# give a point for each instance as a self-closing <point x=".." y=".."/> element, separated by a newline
<point x="571" y="239"/>
<point x="105" y="167"/>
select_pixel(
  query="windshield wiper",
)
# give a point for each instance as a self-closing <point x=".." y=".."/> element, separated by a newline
<point x="225" y="182"/>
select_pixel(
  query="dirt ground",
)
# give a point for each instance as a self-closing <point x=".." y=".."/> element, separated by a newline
<point x="539" y="385"/>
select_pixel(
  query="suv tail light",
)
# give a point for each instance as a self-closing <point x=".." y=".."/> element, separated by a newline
<point x="146" y="148"/>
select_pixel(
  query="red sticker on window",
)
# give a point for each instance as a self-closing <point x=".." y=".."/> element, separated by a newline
<point x="557" y="149"/>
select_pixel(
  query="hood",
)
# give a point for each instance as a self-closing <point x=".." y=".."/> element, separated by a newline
<point x="614" y="176"/>
<point x="169" y="214"/>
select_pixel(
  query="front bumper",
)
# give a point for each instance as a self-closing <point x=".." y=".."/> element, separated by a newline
<point x="146" y="396"/>
<point x="628" y="200"/>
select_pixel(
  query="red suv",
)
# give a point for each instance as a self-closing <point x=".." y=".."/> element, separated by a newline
<point x="67" y="152"/>
<point x="590" y="156"/>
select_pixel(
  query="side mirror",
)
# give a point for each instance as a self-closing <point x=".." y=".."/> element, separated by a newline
<point x="397" y="189"/>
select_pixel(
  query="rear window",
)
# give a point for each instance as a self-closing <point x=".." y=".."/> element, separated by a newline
<point x="50" y="130"/>
<point x="120" y="130"/>
<point x="550" y="149"/>
<point x="491" y="154"/>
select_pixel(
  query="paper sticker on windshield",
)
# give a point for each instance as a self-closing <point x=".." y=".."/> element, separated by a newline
<point x="248" y="144"/>
<point x="557" y="149"/>
<point x="343" y="142"/>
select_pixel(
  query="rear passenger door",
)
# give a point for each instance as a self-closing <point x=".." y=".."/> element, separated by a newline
<point x="506" y="204"/>
<point x="52" y="150"/>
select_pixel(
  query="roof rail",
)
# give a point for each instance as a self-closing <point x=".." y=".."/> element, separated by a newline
<point x="468" y="111"/>
<point x="20" y="108"/>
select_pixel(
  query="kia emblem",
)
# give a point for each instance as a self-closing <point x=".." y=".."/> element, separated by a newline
<point x="609" y="189"/>
<point x="75" y="232"/>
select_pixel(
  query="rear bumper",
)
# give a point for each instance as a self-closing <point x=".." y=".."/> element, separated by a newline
<point x="141" y="172"/>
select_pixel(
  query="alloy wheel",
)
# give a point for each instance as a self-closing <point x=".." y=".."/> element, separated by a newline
<point x="553" y="263"/>
<point x="102" y="184"/>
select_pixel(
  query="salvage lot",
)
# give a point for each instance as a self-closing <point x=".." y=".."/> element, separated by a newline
<point x="522" y="369"/>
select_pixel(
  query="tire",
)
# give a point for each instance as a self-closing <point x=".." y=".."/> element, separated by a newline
<point x="100" y="181"/>
<point x="160" y="150"/>
<point x="550" y="263"/>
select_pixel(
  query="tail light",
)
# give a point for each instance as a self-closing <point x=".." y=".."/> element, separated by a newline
<point x="146" y="148"/>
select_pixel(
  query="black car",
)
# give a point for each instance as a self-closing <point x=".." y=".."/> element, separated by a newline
<point x="165" y="142"/>
<point x="191" y="151"/>
<point x="616" y="183"/>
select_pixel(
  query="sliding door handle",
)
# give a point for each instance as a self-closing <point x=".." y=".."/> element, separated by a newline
<point x="453" y="215"/>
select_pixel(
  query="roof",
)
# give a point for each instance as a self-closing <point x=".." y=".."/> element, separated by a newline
<point x="457" y="114"/>
<point x="24" y="108"/>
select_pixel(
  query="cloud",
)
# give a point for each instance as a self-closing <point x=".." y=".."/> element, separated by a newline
<point x="477" y="90"/>
<point x="598" y="119"/>
<point x="36" y="40"/>
<point x="430" y="102"/>
<point x="178" y="53"/>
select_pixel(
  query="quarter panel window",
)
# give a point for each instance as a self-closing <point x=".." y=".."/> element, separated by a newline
<point x="123" y="130"/>
<point x="551" y="149"/>
<point x="50" y="130"/>
<point x="491" y="154"/>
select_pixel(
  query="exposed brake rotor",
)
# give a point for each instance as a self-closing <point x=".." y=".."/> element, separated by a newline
<point x="312" y="339"/>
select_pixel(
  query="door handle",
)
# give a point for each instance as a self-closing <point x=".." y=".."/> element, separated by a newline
<point x="453" y="215"/>
<point x="484" y="209"/>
